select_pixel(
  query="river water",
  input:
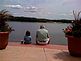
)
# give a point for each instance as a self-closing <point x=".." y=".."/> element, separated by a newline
<point x="55" y="31"/>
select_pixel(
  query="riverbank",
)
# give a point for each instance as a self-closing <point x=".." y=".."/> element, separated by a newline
<point x="31" y="19"/>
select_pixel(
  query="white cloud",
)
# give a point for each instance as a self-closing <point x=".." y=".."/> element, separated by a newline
<point x="13" y="6"/>
<point x="25" y="9"/>
<point x="30" y="9"/>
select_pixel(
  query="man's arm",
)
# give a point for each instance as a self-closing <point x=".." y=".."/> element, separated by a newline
<point x="48" y="36"/>
<point x="36" y="34"/>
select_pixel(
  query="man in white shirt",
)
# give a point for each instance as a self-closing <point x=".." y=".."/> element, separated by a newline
<point x="42" y="36"/>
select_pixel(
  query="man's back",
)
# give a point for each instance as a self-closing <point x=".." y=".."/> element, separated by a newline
<point x="42" y="34"/>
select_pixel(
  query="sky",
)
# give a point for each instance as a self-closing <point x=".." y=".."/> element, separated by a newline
<point x="49" y="9"/>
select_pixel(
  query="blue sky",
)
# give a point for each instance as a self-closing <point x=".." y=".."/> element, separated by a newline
<point x="50" y="9"/>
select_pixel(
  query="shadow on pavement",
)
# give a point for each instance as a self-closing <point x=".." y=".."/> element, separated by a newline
<point x="65" y="56"/>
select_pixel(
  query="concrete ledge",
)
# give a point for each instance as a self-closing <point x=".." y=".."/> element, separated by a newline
<point x="50" y="46"/>
<point x="24" y="53"/>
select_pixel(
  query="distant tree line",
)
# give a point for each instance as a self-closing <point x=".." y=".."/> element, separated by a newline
<point x="29" y="19"/>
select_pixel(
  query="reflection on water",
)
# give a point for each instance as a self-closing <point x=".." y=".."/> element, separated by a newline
<point x="55" y="30"/>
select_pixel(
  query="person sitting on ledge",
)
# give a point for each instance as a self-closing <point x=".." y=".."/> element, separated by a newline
<point x="27" y="38"/>
<point x="42" y="36"/>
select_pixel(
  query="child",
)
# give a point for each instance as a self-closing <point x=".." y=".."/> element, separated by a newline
<point x="27" y="38"/>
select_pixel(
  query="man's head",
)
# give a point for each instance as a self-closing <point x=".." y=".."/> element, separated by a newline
<point x="42" y="26"/>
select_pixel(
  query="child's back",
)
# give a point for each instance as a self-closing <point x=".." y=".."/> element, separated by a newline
<point x="27" y="38"/>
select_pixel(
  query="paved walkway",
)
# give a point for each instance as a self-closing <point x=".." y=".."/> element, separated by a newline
<point x="18" y="52"/>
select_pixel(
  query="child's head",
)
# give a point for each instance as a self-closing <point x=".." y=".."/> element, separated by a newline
<point x="27" y="33"/>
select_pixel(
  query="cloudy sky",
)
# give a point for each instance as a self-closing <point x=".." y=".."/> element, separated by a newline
<point x="50" y="9"/>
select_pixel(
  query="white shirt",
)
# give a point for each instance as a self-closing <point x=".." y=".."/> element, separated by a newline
<point x="41" y="34"/>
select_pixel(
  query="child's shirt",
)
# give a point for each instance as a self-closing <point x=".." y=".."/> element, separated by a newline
<point x="27" y="39"/>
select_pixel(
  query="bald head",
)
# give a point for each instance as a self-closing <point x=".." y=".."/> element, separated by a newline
<point x="42" y="26"/>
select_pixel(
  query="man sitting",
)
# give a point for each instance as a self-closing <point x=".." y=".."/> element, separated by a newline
<point x="42" y="36"/>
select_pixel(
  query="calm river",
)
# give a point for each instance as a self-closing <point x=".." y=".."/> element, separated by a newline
<point x="55" y="30"/>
